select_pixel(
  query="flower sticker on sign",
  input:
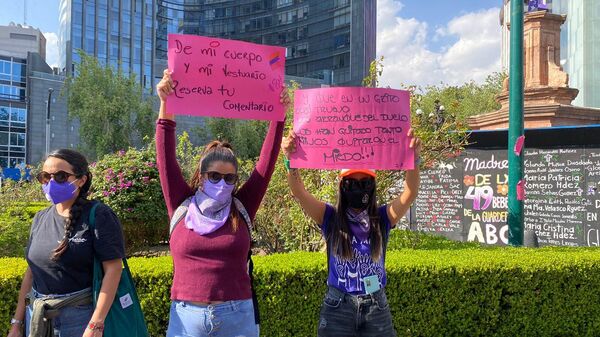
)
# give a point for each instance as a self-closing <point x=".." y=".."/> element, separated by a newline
<point x="352" y="128"/>
<point x="225" y="78"/>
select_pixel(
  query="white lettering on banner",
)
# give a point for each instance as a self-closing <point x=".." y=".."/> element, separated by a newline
<point x="593" y="238"/>
<point x="476" y="164"/>
<point x="475" y="232"/>
<point x="491" y="237"/>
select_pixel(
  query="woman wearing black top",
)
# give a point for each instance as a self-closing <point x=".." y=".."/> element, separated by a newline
<point x="60" y="255"/>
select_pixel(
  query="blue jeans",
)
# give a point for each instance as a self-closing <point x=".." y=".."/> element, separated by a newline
<point x="70" y="322"/>
<point x="228" y="319"/>
<point x="361" y="316"/>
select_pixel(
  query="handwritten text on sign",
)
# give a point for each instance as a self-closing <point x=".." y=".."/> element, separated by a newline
<point x="352" y="128"/>
<point x="225" y="78"/>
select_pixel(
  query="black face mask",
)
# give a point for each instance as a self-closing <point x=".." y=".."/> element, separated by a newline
<point x="358" y="192"/>
<point x="357" y="199"/>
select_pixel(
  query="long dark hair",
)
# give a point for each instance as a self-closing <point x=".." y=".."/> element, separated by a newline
<point x="80" y="167"/>
<point x="216" y="151"/>
<point x="339" y="237"/>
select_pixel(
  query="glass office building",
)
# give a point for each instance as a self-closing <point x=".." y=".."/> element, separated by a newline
<point x="580" y="48"/>
<point x="13" y="111"/>
<point x="119" y="33"/>
<point x="332" y="40"/>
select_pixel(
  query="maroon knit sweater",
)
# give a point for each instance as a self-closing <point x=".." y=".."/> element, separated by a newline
<point x="212" y="267"/>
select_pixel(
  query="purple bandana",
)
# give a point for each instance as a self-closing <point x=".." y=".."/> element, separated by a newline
<point x="206" y="214"/>
<point x="359" y="224"/>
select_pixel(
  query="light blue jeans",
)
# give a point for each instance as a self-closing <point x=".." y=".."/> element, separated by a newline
<point x="228" y="319"/>
<point x="70" y="322"/>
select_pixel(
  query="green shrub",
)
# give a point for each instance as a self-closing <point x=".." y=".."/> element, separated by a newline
<point x="280" y="231"/>
<point x="15" y="222"/>
<point x="460" y="292"/>
<point x="402" y="239"/>
<point x="19" y="201"/>
<point x="128" y="182"/>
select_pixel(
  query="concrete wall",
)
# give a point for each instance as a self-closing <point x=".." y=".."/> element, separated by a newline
<point x="17" y="41"/>
<point x="63" y="133"/>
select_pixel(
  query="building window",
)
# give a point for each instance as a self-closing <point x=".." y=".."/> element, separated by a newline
<point x="5" y="70"/>
<point x="341" y="61"/>
<point x="341" y="20"/>
<point x="341" y="76"/>
<point x="303" y="32"/>
<point x="340" y="3"/>
<point x="12" y="92"/>
<point x="302" y="49"/>
<point x="341" y="40"/>
<point x="342" y="17"/>
<point x="4" y="116"/>
<point x="209" y="14"/>
<point x="18" y="117"/>
<point x="18" y="72"/>
<point x="286" y="17"/>
<point x="284" y="3"/>
<point x="17" y="140"/>
<point x="302" y="13"/>
<point x="301" y="69"/>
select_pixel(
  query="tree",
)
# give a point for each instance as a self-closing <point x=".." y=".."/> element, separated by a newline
<point x="112" y="109"/>
<point x="463" y="100"/>
<point x="452" y="105"/>
<point x="246" y="136"/>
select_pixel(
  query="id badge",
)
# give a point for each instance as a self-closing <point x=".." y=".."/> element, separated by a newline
<point x="371" y="284"/>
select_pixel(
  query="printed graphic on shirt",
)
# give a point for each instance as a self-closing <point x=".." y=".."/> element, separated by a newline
<point x="351" y="273"/>
<point x="78" y="237"/>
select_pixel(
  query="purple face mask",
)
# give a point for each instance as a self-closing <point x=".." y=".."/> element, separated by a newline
<point x="221" y="191"/>
<point x="210" y="207"/>
<point x="59" y="192"/>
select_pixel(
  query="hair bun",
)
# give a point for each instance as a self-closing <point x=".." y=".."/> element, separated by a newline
<point x="215" y="145"/>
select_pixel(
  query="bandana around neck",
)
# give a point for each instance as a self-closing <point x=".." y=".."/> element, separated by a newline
<point x="205" y="214"/>
<point x="359" y="224"/>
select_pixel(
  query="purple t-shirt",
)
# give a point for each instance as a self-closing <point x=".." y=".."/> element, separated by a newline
<point x="347" y="275"/>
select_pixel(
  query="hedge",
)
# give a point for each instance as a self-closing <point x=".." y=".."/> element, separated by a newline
<point x="15" y="222"/>
<point x="462" y="292"/>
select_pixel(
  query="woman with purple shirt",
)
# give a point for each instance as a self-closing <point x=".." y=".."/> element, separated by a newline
<point x="356" y="232"/>
<point x="211" y="293"/>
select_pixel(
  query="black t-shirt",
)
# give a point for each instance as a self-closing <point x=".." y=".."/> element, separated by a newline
<point x="74" y="269"/>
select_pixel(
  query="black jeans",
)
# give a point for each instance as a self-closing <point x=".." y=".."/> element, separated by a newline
<point x="345" y="315"/>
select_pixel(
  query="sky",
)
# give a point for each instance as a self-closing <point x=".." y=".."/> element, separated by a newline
<point x="422" y="42"/>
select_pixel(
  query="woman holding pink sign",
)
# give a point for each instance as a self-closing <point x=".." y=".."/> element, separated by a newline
<point x="356" y="232"/>
<point x="211" y="231"/>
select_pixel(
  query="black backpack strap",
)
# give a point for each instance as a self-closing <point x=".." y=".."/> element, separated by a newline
<point x="240" y="207"/>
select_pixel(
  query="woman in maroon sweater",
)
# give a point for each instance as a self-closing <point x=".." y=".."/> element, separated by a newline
<point x="211" y="293"/>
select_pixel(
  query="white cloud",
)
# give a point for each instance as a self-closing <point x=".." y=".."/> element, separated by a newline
<point x="51" y="49"/>
<point x="473" y="53"/>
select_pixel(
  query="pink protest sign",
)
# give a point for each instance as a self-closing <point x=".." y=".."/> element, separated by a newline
<point x="352" y="128"/>
<point x="225" y="78"/>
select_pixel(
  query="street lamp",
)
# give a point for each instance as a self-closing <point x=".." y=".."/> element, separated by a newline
<point x="50" y="90"/>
